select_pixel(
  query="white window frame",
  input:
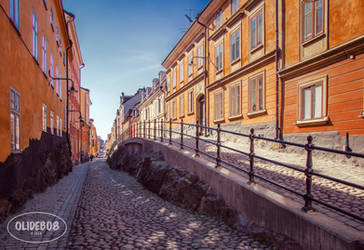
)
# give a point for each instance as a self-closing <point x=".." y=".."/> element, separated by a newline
<point x="14" y="120"/>
<point x="218" y="113"/>
<point x="35" y="36"/>
<point x="44" y="115"/>
<point x="182" y="105"/>
<point x="44" y="54"/>
<point x="191" y="102"/>
<point x="219" y="19"/>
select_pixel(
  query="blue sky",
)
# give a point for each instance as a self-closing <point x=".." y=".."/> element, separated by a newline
<point x="123" y="44"/>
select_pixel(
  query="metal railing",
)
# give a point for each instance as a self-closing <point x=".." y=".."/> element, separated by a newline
<point x="165" y="131"/>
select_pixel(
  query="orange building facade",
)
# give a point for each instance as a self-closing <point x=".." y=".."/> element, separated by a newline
<point x="75" y="65"/>
<point x="85" y="124"/>
<point x="323" y="69"/>
<point x="34" y="49"/>
<point x="285" y="68"/>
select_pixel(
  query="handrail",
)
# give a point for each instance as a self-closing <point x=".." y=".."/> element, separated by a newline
<point x="166" y="130"/>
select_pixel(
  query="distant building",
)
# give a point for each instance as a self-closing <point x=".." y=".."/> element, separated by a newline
<point x="85" y="123"/>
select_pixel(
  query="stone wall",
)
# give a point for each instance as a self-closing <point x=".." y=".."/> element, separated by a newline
<point x="23" y="174"/>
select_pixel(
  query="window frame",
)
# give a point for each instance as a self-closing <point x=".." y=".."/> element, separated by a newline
<point x="181" y="105"/>
<point x="310" y="83"/>
<point x="52" y="122"/>
<point x="255" y="78"/>
<point x="44" y="116"/>
<point x="35" y="36"/>
<point x="237" y="50"/>
<point x="14" y="13"/>
<point x="51" y="69"/>
<point x="219" y="19"/>
<point x="174" y="109"/>
<point x="51" y="17"/>
<point x="219" y="49"/>
<point x="218" y="118"/>
<point x="174" y="79"/>
<point x="15" y="122"/>
<point x="314" y="34"/>
<point x="190" y="102"/>
<point x="234" y="6"/>
<point x="190" y="64"/>
<point x="235" y="105"/>
<point x="44" y="54"/>
<point x="181" y="72"/>
<point x="200" y="57"/>
<point x="252" y="17"/>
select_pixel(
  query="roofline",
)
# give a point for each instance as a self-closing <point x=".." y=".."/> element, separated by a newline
<point x="194" y="21"/>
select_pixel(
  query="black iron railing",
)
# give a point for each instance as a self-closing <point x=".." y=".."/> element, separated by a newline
<point x="164" y="130"/>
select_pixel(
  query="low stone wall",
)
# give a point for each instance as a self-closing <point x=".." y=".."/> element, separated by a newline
<point x="260" y="205"/>
<point x="23" y="174"/>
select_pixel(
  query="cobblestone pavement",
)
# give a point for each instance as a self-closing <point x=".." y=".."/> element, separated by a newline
<point x="116" y="212"/>
<point x="60" y="199"/>
<point x="345" y="197"/>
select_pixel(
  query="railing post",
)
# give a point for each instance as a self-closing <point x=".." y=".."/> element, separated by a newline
<point x="181" y="134"/>
<point x="251" y="157"/>
<point x="308" y="172"/>
<point x="155" y="129"/>
<point x="161" y="130"/>
<point x="197" y="137"/>
<point x="170" y="131"/>
<point x="218" y="144"/>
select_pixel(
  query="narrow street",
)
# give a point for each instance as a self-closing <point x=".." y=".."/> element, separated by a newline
<point x="114" y="211"/>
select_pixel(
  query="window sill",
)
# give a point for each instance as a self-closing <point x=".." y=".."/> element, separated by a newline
<point x="235" y="117"/>
<point x="257" y="113"/>
<point x="181" y="116"/>
<point x="316" y="122"/>
<point x="219" y="120"/>
<point x="174" y="119"/>
<point x="190" y="113"/>
<point x="314" y="39"/>
<point x="260" y="46"/>
<point x="235" y="61"/>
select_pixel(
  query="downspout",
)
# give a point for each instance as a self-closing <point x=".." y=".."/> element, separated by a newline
<point x="278" y="134"/>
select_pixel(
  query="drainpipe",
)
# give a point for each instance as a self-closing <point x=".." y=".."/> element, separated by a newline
<point x="278" y="134"/>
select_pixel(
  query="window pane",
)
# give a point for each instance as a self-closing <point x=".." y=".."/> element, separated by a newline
<point x="306" y="105"/>
<point x="252" y="35"/>
<point x="237" y="45"/>
<point x="317" y="102"/>
<point x="253" y="104"/>
<point x="11" y="9"/>
<point x="318" y="16"/>
<point x="259" y="28"/>
<point x="260" y="93"/>
<point x="17" y="135"/>
<point x="237" y="99"/>
<point x="307" y="20"/>
<point x="12" y="130"/>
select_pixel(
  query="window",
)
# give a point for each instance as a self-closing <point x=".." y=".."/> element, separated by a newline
<point x="235" y="45"/>
<point x="313" y="18"/>
<point x="190" y="102"/>
<point x="52" y="122"/>
<point x="218" y="56"/>
<point x="174" y="80"/>
<point x="168" y="84"/>
<point x="60" y="87"/>
<point x="60" y="47"/>
<point x="14" y="12"/>
<point x="181" y="72"/>
<point x="182" y="105"/>
<point x="44" y="54"/>
<point x="51" y="70"/>
<point x="218" y="19"/>
<point x="35" y="37"/>
<point x="57" y="36"/>
<point x="44" y="111"/>
<point x="256" y="93"/>
<point x="235" y="100"/>
<point x="312" y="101"/>
<point x="51" y="18"/>
<point x="60" y="128"/>
<point x="45" y="3"/>
<point x="14" y="121"/>
<point x="174" y="109"/>
<point x="57" y="82"/>
<point x="57" y="130"/>
<point x="190" y="64"/>
<point x="218" y="104"/>
<point x="168" y="111"/>
<point x="256" y="30"/>
<point x="159" y="106"/>
<point x="199" y="56"/>
<point x="234" y="6"/>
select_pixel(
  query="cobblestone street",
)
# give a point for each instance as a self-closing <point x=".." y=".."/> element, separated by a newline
<point x="114" y="211"/>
